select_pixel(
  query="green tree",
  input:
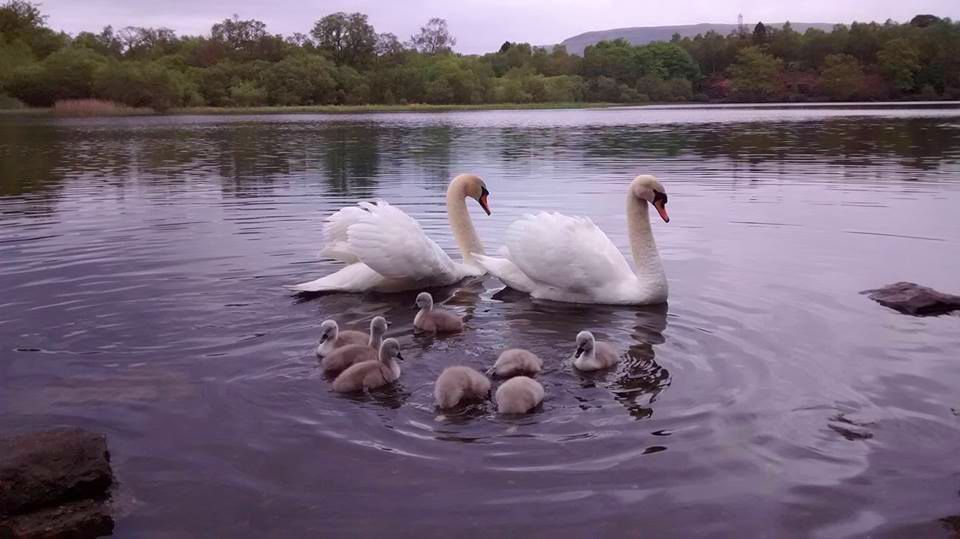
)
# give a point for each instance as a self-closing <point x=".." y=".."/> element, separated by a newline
<point x="899" y="60"/>
<point x="756" y="75"/>
<point x="19" y="19"/>
<point x="434" y="38"/>
<point x="348" y="38"/>
<point x="305" y="79"/>
<point x="841" y="77"/>
<point x="66" y="74"/>
<point x="759" y="34"/>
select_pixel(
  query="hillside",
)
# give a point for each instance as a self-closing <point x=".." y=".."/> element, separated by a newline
<point x="641" y="35"/>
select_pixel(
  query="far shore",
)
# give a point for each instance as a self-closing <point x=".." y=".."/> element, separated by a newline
<point x="420" y="107"/>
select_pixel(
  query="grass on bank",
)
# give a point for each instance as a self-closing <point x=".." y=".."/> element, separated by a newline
<point x="353" y="109"/>
<point x="96" y="107"/>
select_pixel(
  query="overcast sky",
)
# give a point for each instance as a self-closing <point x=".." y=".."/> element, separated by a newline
<point x="479" y="25"/>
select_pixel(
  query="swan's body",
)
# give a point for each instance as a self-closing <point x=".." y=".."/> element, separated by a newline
<point x="557" y="257"/>
<point x="514" y="362"/>
<point x="434" y="320"/>
<point x="386" y="250"/>
<point x="519" y="395"/>
<point x="331" y="338"/>
<point x="372" y="374"/>
<point x="593" y="355"/>
<point x="459" y="384"/>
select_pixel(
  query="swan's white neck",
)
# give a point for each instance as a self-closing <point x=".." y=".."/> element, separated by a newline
<point x="460" y="222"/>
<point x="376" y="339"/>
<point x="645" y="255"/>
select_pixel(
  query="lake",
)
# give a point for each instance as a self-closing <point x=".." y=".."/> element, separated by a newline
<point x="143" y="270"/>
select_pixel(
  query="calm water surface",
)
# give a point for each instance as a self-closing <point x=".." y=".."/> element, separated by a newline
<point x="143" y="261"/>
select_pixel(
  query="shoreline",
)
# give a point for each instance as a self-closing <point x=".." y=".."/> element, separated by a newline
<point x="376" y="109"/>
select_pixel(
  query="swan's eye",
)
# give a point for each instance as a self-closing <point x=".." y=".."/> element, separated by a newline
<point x="483" y="191"/>
<point x="660" y="197"/>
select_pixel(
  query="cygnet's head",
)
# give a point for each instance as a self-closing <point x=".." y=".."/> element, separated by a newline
<point x="378" y="326"/>
<point x="650" y="189"/>
<point x="390" y="349"/>
<point x="474" y="188"/>
<point x="585" y="344"/>
<point x="328" y="331"/>
<point x="424" y="300"/>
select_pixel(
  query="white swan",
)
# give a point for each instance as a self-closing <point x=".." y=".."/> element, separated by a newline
<point x="386" y="250"/>
<point x="561" y="258"/>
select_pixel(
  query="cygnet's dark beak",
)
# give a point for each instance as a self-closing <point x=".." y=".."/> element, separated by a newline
<point x="400" y="356"/>
<point x="579" y="352"/>
<point x="323" y="338"/>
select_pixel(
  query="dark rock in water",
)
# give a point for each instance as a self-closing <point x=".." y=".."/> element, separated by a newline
<point x="86" y="518"/>
<point x="911" y="298"/>
<point x="55" y="484"/>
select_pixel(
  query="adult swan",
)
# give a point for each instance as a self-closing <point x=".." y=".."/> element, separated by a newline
<point x="386" y="250"/>
<point x="561" y="258"/>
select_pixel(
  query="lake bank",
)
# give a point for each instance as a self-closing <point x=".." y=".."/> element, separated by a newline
<point x="332" y="109"/>
<point x="422" y="107"/>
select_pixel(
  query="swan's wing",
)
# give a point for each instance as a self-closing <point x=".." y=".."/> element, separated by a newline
<point x="568" y="253"/>
<point x="393" y="244"/>
<point x="336" y="244"/>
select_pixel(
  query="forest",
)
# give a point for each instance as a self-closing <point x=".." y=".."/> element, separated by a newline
<point x="342" y="60"/>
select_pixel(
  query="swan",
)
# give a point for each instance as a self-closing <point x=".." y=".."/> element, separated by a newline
<point x="433" y="320"/>
<point x="331" y="338"/>
<point x="386" y="250"/>
<point x="459" y="384"/>
<point x="593" y="355"/>
<point x="519" y="395"/>
<point x="516" y="361"/>
<point x="556" y="257"/>
<point x="372" y="374"/>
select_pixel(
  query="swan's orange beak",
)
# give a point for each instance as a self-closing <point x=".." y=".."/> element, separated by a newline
<point x="483" y="203"/>
<point x="662" y="209"/>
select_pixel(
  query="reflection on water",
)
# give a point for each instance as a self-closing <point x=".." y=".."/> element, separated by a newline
<point x="143" y="264"/>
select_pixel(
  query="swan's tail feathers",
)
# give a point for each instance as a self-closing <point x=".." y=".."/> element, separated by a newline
<point x="352" y="278"/>
<point x="506" y="271"/>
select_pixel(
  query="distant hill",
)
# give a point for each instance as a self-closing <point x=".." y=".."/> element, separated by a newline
<point x="641" y="35"/>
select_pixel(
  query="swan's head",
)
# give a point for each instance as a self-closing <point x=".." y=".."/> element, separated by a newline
<point x="390" y="349"/>
<point x="425" y="300"/>
<point x="650" y="189"/>
<point x="328" y="331"/>
<point x="378" y="326"/>
<point x="473" y="187"/>
<point x="585" y="344"/>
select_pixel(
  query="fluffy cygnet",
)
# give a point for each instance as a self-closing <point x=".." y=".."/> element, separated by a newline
<point x="435" y="320"/>
<point x="519" y="395"/>
<point x="351" y="354"/>
<point x="372" y="374"/>
<point x="593" y="355"/>
<point x="514" y="362"/>
<point x="460" y="384"/>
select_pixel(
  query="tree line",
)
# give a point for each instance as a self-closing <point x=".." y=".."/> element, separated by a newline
<point x="343" y="60"/>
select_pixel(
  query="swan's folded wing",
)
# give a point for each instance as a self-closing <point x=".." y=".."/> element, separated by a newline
<point x="336" y="244"/>
<point x="393" y="244"/>
<point x="564" y="252"/>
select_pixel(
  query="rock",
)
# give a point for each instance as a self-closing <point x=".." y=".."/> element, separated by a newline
<point x="55" y="484"/>
<point x="86" y="518"/>
<point x="911" y="298"/>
